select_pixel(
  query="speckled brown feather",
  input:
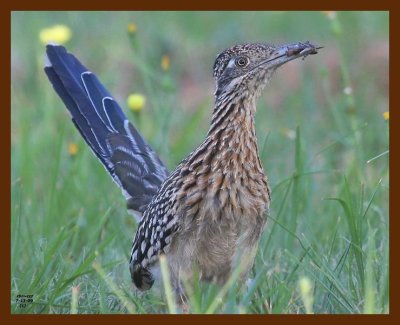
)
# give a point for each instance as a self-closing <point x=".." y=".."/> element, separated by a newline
<point x="210" y="212"/>
<point x="228" y="196"/>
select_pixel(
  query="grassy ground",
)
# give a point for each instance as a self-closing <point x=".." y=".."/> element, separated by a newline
<point x="323" y="140"/>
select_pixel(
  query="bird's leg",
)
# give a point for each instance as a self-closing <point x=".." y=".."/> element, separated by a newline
<point x="181" y="299"/>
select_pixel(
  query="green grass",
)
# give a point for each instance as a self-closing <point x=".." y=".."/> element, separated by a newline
<point x="329" y="221"/>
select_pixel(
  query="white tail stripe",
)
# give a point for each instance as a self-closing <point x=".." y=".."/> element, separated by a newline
<point x="90" y="98"/>
<point x="105" y="112"/>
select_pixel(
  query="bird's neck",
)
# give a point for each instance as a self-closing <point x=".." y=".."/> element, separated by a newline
<point x="234" y="117"/>
<point x="233" y="130"/>
<point x="226" y="168"/>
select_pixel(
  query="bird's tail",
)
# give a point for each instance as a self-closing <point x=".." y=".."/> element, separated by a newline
<point x="133" y="165"/>
<point x="141" y="277"/>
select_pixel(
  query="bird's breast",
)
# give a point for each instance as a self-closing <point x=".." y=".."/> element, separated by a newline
<point x="221" y="203"/>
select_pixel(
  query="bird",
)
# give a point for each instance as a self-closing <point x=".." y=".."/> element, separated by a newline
<point x="208" y="214"/>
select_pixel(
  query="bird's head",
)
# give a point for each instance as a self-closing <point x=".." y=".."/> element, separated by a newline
<point x="246" y="69"/>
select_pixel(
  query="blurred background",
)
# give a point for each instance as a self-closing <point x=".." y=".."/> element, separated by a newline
<point x="322" y="127"/>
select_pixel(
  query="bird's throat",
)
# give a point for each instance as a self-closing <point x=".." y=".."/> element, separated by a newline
<point x="233" y="134"/>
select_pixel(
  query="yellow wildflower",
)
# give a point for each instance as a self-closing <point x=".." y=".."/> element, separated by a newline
<point x="306" y="291"/>
<point x="385" y="115"/>
<point x="291" y="134"/>
<point x="165" y="62"/>
<point x="132" y="28"/>
<point x="136" y="102"/>
<point x="72" y="149"/>
<point x="335" y="23"/>
<point x="58" y="33"/>
<point x="330" y="14"/>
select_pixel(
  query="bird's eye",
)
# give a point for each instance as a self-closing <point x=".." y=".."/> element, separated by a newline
<point x="242" y="61"/>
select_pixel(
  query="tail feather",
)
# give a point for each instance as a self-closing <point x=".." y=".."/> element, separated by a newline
<point x="134" y="166"/>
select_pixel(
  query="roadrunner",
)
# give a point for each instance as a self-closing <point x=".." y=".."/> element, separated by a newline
<point x="208" y="214"/>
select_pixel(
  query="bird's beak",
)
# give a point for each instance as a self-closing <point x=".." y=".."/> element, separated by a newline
<point x="289" y="52"/>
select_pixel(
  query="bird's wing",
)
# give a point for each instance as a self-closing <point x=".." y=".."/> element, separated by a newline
<point x="133" y="165"/>
<point x="155" y="233"/>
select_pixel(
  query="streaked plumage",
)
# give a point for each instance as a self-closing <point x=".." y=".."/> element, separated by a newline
<point x="209" y="213"/>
